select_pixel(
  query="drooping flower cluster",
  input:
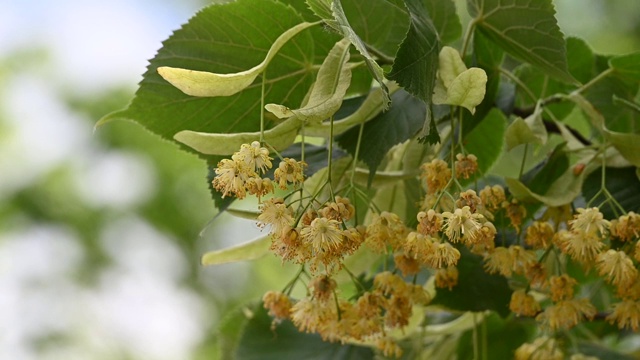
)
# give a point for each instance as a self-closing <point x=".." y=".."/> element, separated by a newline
<point x="320" y="234"/>
<point x="243" y="173"/>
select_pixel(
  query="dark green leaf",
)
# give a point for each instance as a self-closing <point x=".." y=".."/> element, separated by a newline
<point x="541" y="86"/>
<point x="622" y="183"/>
<point x="476" y="290"/>
<point x="486" y="140"/>
<point x="402" y="121"/>
<point x="601" y="95"/>
<point x="527" y="30"/>
<point x="626" y="66"/>
<point x="540" y="178"/>
<point x="445" y="19"/>
<point x="488" y="56"/>
<point x="580" y="59"/>
<point x="226" y="39"/>
<point x="416" y="61"/>
<point x="629" y="104"/>
<point x="259" y="342"/>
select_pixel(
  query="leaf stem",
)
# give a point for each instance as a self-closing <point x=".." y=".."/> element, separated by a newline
<point x="467" y="37"/>
<point x="264" y="80"/>
<point x="524" y="160"/>
<point x="593" y="81"/>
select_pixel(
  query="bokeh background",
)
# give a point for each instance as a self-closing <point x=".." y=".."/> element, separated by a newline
<point x="101" y="231"/>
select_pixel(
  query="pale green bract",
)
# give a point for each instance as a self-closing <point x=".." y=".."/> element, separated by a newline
<point x="527" y="131"/>
<point x="457" y="85"/>
<point x="327" y="93"/>
<point x="207" y="84"/>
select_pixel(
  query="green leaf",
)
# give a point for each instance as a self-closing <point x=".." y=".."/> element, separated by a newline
<point x="528" y="131"/>
<point x="327" y="93"/>
<point x="580" y="59"/>
<point x="503" y="335"/>
<point x="541" y="86"/>
<point x="445" y="19"/>
<point x="260" y="342"/>
<point x="487" y="55"/>
<point x="476" y="290"/>
<point x="525" y="29"/>
<point x="416" y="62"/>
<point x="341" y="24"/>
<point x="249" y="250"/>
<point x="223" y="39"/>
<point x="629" y="104"/>
<point x="626" y="66"/>
<point x="403" y="120"/>
<point x="627" y="144"/>
<point x="486" y="140"/>
<point x="561" y="192"/>
<point x="622" y="184"/>
<point x="203" y="83"/>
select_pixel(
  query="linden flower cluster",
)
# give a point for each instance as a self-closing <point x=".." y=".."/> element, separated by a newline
<point x="242" y="173"/>
<point x="387" y="306"/>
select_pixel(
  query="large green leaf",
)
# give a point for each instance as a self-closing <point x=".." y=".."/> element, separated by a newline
<point x="445" y="19"/>
<point x="223" y="39"/>
<point x="626" y="66"/>
<point x="476" y="290"/>
<point x="403" y="120"/>
<point x="416" y="61"/>
<point x="486" y="140"/>
<point x="527" y="30"/>
<point x="260" y="342"/>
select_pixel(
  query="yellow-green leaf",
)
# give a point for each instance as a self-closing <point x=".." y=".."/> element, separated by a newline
<point x="468" y="89"/>
<point x="450" y="65"/>
<point x="249" y="250"/>
<point x="327" y="93"/>
<point x="208" y="84"/>
<point x="528" y="131"/>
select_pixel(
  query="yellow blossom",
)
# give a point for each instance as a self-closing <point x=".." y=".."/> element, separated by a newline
<point x="589" y="221"/>
<point x="289" y="171"/>
<point x="277" y="303"/>
<point x="230" y="178"/>
<point x="444" y="255"/>
<point x="398" y="311"/>
<point x="340" y="210"/>
<point x="323" y="288"/>
<point x="626" y="314"/>
<point x="617" y="267"/>
<point x="470" y="199"/>
<point x="323" y="234"/>
<point x="389" y="283"/>
<point x="626" y="227"/>
<point x="256" y="157"/>
<point x="461" y="223"/>
<point x="447" y="277"/>
<point x="429" y="222"/>
<point x="516" y="213"/>
<point x="523" y="304"/>
<point x="581" y="246"/>
<point x="562" y="287"/>
<point x="385" y="229"/>
<point x="539" y="235"/>
<point x="543" y="348"/>
<point x="406" y="264"/>
<point x="492" y="197"/>
<point x="309" y="315"/>
<point x="277" y="214"/>
<point x="419" y="247"/>
<point x="566" y="314"/>
<point x="466" y="165"/>
<point x="436" y="175"/>
<point x="389" y="347"/>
